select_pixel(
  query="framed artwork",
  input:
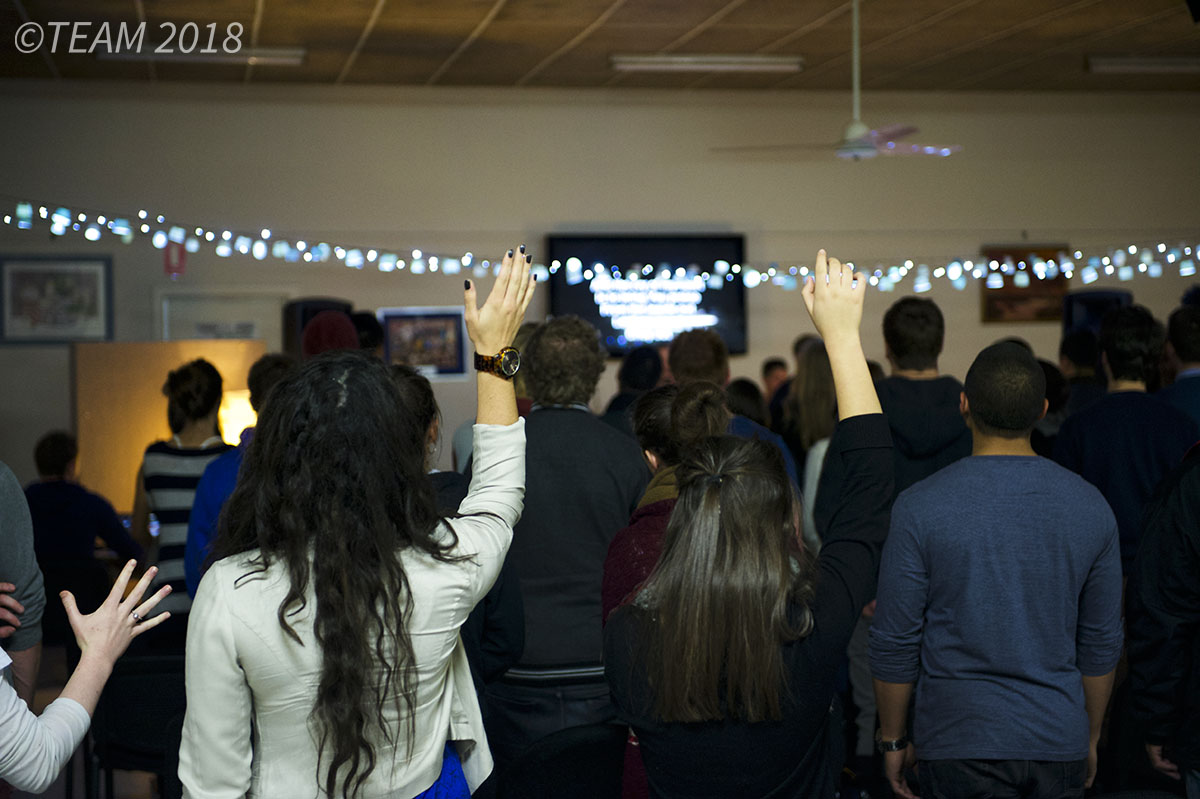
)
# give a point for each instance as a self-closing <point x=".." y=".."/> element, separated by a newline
<point x="50" y="299"/>
<point x="238" y="312"/>
<point x="1030" y="300"/>
<point x="433" y="340"/>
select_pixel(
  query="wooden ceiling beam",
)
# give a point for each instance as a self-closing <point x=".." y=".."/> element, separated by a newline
<point x="1082" y="41"/>
<point x="591" y="28"/>
<point x="362" y="40"/>
<point x="981" y="42"/>
<point x="879" y="44"/>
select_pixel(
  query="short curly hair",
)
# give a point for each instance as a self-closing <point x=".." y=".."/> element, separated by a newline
<point x="565" y="360"/>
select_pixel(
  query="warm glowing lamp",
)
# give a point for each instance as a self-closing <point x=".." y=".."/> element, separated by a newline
<point x="235" y="414"/>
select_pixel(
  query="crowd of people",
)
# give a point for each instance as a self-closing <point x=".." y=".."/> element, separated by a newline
<point x="848" y="580"/>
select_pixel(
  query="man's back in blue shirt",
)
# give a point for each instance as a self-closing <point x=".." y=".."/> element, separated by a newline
<point x="1124" y="444"/>
<point x="1000" y="586"/>
<point x="67" y="520"/>
<point x="1184" y="393"/>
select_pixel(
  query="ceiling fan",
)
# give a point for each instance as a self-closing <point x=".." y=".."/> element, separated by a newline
<point x="858" y="140"/>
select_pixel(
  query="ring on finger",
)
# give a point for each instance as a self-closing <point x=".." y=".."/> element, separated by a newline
<point x="136" y="617"/>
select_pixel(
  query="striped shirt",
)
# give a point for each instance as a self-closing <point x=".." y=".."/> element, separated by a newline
<point x="170" y="475"/>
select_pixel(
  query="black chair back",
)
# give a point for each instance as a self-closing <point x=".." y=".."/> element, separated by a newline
<point x="130" y="728"/>
<point x="579" y="762"/>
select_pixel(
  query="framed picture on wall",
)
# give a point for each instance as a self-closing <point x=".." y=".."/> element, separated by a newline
<point x="1021" y="297"/>
<point x="47" y="299"/>
<point x="433" y="340"/>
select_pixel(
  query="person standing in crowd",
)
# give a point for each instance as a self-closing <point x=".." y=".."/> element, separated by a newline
<point x="583" y="480"/>
<point x="775" y="400"/>
<point x="220" y="476"/>
<point x="669" y="423"/>
<point x="774" y="375"/>
<point x="920" y="403"/>
<point x="725" y="663"/>
<point x="1183" y="351"/>
<point x="810" y="410"/>
<point x="166" y="486"/>
<point x="701" y="354"/>
<point x="745" y="399"/>
<point x="19" y="569"/>
<point x="324" y="655"/>
<point x="1126" y="441"/>
<point x="1000" y="598"/>
<point x="67" y="518"/>
<point x="1079" y="360"/>
<point x="1163" y="620"/>
<point x="370" y="332"/>
<point x="641" y="370"/>
<point x="328" y="331"/>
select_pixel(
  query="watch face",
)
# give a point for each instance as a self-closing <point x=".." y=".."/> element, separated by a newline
<point x="510" y="361"/>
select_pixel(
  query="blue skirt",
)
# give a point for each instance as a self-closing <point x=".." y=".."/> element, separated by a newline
<point x="451" y="783"/>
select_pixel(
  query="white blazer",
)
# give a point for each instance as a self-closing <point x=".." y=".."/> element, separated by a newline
<point x="251" y="687"/>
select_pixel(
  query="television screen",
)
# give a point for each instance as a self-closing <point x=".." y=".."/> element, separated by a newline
<point x="646" y="289"/>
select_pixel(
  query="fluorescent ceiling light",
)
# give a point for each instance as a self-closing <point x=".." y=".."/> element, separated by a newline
<point x="1131" y="65"/>
<point x="707" y="63"/>
<point x="257" y="56"/>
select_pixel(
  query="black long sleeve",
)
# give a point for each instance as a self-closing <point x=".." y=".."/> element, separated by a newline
<point x="1163" y="616"/>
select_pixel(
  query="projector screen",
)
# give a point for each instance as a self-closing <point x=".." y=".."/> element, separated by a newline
<point x="646" y="289"/>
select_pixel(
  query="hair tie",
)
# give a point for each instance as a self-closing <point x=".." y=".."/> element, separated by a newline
<point x="715" y="479"/>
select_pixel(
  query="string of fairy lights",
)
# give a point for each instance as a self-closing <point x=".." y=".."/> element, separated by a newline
<point x="1145" y="258"/>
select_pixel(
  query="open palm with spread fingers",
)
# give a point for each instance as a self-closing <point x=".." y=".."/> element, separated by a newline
<point x="834" y="297"/>
<point x="492" y="327"/>
<point x="107" y="632"/>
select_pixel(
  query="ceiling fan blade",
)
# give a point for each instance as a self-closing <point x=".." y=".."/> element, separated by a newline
<point x="936" y="150"/>
<point x="892" y="133"/>
<point x="776" y="148"/>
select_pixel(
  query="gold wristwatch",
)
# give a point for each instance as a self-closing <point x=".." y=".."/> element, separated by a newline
<point x="504" y="364"/>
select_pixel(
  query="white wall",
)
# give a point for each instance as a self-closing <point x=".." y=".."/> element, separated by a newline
<point x="480" y="170"/>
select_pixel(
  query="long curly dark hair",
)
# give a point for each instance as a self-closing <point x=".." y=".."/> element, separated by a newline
<point x="333" y="487"/>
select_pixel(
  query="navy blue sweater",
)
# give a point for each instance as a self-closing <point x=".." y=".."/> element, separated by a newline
<point x="1124" y="444"/>
<point x="1000" y="586"/>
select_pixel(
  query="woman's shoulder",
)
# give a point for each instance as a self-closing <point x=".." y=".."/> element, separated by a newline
<point x="236" y="572"/>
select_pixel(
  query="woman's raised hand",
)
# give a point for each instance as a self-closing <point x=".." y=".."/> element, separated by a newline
<point x="492" y="327"/>
<point x="105" y="634"/>
<point x="834" y="298"/>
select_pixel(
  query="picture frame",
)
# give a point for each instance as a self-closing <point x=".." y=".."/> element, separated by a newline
<point x="222" y="312"/>
<point x="1036" y="300"/>
<point x="55" y="299"/>
<point x="430" y="339"/>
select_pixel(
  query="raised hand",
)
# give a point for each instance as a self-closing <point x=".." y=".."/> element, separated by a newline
<point x="105" y="634"/>
<point x="10" y="611"/>
<point x="492" y="327"/>
<point x="834" y="298"/>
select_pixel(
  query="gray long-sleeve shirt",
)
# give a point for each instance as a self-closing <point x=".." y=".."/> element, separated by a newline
<point x="18" y="565"/>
